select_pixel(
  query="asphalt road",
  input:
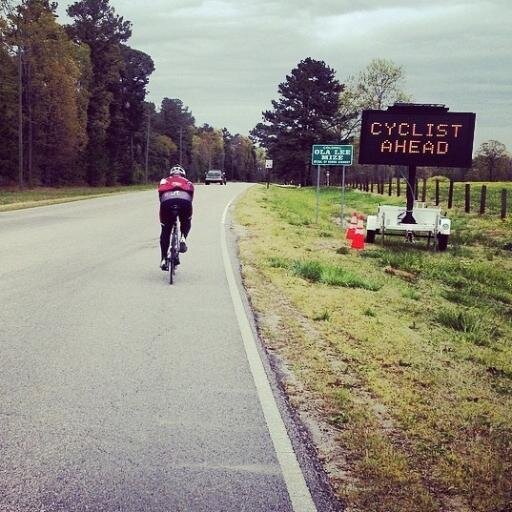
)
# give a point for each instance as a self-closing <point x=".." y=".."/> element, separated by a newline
<point x="119" y="392"/>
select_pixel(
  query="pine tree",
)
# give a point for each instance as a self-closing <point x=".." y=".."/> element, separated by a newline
<point x="304" y="114"/>
<point x="124" y="137"/>
<point x="97" y="25"/>
<point x="177" y="122"/>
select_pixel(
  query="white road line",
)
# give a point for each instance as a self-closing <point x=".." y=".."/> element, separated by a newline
<point x="292" y="473"/>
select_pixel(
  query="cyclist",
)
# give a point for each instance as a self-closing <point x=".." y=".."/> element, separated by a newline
<point x="176" y="194"/>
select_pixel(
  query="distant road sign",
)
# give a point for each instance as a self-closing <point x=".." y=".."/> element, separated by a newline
<point x="420" y="136"/>
<point x="269" y="164"/>
<point x="331" y="154"/>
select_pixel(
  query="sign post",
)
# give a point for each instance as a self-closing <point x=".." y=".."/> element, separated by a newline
<point x="342" y="212"/>
<point x="410" y="194"/>
<point x="331" y="154"/>
<point x="317" y="192"/>
<point x="268" y="166"/>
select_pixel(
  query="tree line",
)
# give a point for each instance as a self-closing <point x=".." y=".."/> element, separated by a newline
<point x="73" y="106"/>
<point x="315" y="108"/>
<point x="73" y="110"/>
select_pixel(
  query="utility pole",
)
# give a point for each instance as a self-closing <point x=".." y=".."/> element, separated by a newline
<point x="28" y="106"/>
<point x="181" y="145"/>
<point x="147" y="147"/>
<point x="20" y="112"/>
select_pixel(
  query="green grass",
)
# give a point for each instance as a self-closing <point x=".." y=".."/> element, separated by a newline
<point x="338" y="276"/>
<point x="278" y="262"/>
<point x="325" y="316"/>
<point x="467" y="277"/>
<point x="410" y="261"/>
<point x="471" y="322"/>
<point x="414" y="378"/>
<point x="310" y="270"/>
<point x="14" y="198"/>
<point x="410" y="293"/>
<point x="318" y="272"/>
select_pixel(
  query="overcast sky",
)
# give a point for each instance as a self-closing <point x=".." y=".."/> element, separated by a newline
<point x="225" y="58"/>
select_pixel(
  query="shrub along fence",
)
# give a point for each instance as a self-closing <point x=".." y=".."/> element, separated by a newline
<point x="490" y="198"/>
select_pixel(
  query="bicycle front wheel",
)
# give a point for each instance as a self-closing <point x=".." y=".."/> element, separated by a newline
<point x="173" y="254"/>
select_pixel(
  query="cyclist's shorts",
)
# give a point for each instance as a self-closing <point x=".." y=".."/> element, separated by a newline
<point x="175" y="194"/>
<point x="173" y="206"/>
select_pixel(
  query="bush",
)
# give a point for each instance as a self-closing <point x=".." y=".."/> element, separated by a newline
<point x="309" y="270"/>
<point x="317" y="272"/>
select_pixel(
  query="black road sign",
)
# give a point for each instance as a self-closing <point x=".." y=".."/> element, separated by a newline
<point x="419" y="135"/>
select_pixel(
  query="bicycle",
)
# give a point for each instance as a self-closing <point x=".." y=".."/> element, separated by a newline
<point x="174" y="250"/>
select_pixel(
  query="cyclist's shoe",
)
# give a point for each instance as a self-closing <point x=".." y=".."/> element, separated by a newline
<point x="163" y="265"/>
<point x="177" y="260"/>
<point x="183" y="246"/>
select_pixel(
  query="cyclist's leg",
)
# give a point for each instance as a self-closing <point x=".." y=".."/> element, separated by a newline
<point x="164" y="239"/>
<point x="167" y="219"/>
<point x="185" y="216"/>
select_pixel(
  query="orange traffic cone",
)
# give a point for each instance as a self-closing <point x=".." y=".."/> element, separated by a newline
<point x="358" y="237"/>
<point x="349" y="234"/>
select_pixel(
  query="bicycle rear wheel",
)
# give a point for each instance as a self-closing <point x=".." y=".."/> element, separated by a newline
<point x="171" y="269"/>
<point x="173" y="253"/>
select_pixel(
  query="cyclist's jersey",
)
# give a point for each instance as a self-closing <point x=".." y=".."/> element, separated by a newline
<point x="175" y="187"/>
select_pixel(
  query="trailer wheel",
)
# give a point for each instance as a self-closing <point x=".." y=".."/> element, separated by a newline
<point x="370" y="236"/>
<point x="442" y="242"/>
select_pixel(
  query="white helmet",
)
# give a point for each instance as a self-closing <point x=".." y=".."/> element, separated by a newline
<point x="177" y="170"/>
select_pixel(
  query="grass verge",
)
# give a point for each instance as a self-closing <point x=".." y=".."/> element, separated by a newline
<point x="399" y="359"/>
<point x="319" y="272"/>
<point x="17" y="199"/>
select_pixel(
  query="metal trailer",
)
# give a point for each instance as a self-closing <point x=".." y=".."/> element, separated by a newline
<point x="430" y="223"/>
